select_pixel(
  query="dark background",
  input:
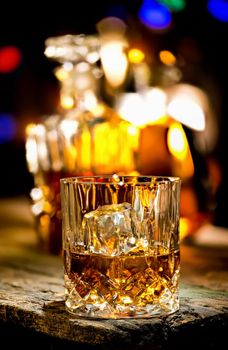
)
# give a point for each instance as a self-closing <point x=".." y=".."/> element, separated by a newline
<point x="31" y="90"/>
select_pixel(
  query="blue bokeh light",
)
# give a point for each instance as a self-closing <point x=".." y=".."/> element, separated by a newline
<point x="218" y="9"/>
<point x="154" y="15"/>
<point x="7" y="127"/>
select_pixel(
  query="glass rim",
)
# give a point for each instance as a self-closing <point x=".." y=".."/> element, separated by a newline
<point x="120" y="179"/>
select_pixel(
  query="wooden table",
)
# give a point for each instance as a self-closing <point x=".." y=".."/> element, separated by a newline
<point x="32" y="313"/>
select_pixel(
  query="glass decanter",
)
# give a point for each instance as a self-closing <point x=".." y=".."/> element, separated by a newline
<point x="88" y="139"/>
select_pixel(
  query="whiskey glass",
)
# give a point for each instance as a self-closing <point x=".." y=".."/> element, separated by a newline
<point x="121" y="245"/>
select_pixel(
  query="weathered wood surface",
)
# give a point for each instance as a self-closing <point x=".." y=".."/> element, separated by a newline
<point x="32" y="302"/>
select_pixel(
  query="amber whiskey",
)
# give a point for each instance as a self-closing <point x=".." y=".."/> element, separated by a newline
<point x="137" y="284"/>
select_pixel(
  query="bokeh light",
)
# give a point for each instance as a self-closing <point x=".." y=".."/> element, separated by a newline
<point x="218" y="9"/>
<point x="174" y="5"/>
<point x="136" y="55"/>
<point x="10" y="59"/>
<point x="177" y="141"/>
<point x="167" y="57"/>
<point x="154" y="15"/>
<point x="7" y="127"/>
<point x="187" y="111"/>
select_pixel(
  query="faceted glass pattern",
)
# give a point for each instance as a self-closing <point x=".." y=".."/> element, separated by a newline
<point x="121" y="245"/>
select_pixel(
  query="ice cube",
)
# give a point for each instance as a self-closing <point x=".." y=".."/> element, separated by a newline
<point x="111" y="229"/>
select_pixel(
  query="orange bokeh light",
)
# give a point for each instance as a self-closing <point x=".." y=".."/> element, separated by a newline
<point x="167" y="57"/>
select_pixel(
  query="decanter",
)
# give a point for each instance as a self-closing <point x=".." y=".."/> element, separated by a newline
<point x="89" y="138"/>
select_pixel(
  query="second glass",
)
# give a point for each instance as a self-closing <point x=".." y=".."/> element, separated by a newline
<point x="121" y="245"/>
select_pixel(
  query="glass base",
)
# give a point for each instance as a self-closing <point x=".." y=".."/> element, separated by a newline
<point x="94" y="306"/>
<point x="154" y="311"/>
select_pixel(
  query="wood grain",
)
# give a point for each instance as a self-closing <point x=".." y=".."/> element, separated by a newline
<point x="32" y="298"/>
